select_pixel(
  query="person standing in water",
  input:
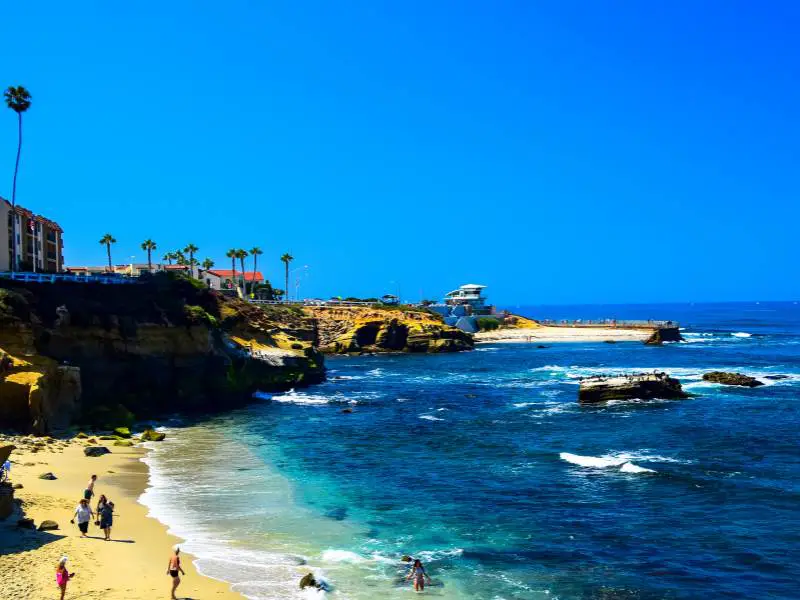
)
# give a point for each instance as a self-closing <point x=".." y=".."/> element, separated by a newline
<point x="84" y="514"/>
<point x="63" y="576"/>
<point x="174" y="569"/>
<point x="419" y="574"/>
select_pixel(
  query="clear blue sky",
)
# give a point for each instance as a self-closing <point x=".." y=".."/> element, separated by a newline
<point x="561" y="151"/>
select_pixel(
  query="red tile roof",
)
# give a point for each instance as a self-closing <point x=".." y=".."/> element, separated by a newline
<point x="228" y="273"/>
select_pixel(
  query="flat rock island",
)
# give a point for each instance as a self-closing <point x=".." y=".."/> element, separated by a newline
<point x="644" y="386"/>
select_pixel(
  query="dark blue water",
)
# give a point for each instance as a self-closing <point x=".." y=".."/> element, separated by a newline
<point x="460" y="459"/>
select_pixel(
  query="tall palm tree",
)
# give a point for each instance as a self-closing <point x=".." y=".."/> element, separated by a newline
<point x="190" y="250"/>
<point x="241" y="254"/>
<point x="149" y="245"/>
<point x="287" y="258"/>
<point x="168" y="257"/>
<point x="106" y="241"/>
<point x="18" y="99"/>
<point x="207" y="264"/>
<point x="255" y="252"/>
<point x="180" y="259"/>
<point x="232" y="255"/>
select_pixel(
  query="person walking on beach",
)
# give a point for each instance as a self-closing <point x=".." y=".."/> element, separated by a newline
<point x="174" y="569"/>
<point x="63" y="576"/>
<point x="419" y="574"/>
<point x="89" y="491"/>
<point x="100" y="504"/>
<point x="107" y="519"/>
<point x="84" y="514"/>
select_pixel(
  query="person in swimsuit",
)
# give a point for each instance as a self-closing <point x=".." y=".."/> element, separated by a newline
<point x="84" y="514"/>
<point x="89" y="491"/>
<point x="63" y="576"/>
<point x="173" y="569"/>
<point x="419" y="574"/>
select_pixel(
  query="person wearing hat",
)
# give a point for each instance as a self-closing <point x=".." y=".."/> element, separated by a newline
<point x="84" y="515"/>
<point x="63" y="576"/>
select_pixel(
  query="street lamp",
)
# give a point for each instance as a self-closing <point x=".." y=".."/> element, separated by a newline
<point x="304" y="268"/>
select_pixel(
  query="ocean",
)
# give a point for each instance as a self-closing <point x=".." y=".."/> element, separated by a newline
<point x="483" y="465"/>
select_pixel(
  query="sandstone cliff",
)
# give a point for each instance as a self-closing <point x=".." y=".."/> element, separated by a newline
<point x="167" y="345"/>
<point x="342" y="330"/>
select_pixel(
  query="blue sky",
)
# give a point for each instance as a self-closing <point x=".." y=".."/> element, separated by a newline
<point x="570" y="151"/>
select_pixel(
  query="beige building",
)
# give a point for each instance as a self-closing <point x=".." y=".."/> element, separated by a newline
<point x="39" y="243"/>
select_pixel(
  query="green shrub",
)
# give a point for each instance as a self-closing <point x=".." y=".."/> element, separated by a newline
<point x="488" y="324"/>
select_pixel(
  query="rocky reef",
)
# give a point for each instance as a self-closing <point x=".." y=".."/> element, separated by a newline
<point x="344" y="330"/>
<point x="645" y="386"/>
<point x="664" y="334"/>
<point x="106" y="354"/>
<point x="732" y="379"/>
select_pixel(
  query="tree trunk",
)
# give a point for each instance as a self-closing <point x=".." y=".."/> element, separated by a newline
<point x="255" y="268"/>
<point x="233" y="268"/>
<point x="149" y="262"/>
<point x="14" y="200"/>
<point x="286" y="291"/>
<point x="244" y="278"/>
<point x="108" y="249"/>
<point x="191" y="264"/>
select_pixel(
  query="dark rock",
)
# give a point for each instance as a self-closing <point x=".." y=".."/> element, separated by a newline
<point x="664" y="334"/>
<point x="49" y="476"/>
<point x="406" y="558"/>
<point x="470" y="395"/>
<point x="148" y="435"/>
<point x="96" y="451"/>
<point x="48" y="526"/>
<point x="17" y="486"/>
<point x="540" y="346"/>
<point x="776" y="377"/>
<point x="124" y="443"/>
<point x="26" y="523"/>
<point x="731" y="379"/>
<point x="347" y="411"/>
<point x="122" y="432"/>
<point x="610" y="341"/>
<point x="308" y="581"/>
<point x="646" y="386"/>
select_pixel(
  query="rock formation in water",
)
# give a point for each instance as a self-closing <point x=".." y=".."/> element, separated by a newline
<point x="664" y="334"/>
<point x="106" y="354"/>
<point x="646" y="386"/>
<point x="343" y="330"/>
<point x="731" y="379"/>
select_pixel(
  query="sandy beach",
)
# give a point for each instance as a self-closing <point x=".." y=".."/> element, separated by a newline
<point x="547" y="334"/>
<point x="130" y="567"/>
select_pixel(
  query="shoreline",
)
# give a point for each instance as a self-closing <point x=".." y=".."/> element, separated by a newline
<point x="550" y="334"/>
<point x="130" y="567"/>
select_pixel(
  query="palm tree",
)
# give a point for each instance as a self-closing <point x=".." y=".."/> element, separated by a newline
<point x="180" y="259"/>
<point x="106" y="241"/>
<point x="168" y="257"/>
<point x="232" y="255"/>
<point x="207" y="264"/>
<point x="241" y="254"/>
<point x="287" y="258"/>
<point x="190" y="250"/>
<point x="255" y="251"/>
<point x="149" y="245"/>
<point x="18" y="99"/>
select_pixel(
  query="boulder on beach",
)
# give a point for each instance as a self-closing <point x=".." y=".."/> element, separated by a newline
<point x="48" y="526"/>
<point x="148" y="435"/>
<point x="731" y="379"/>
<point x="48" y="476"/>
<point x="96" y="451"/>
<point x="645" y="386"/>
<point x="26" y="523"/>
<point x="308" y="581"/>
<point x="122" y="432"/>
<point x="124" y="443"/>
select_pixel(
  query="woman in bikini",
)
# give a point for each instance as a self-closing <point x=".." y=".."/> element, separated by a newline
<point x="174" y="569"/>
<point x="419" y="574"/>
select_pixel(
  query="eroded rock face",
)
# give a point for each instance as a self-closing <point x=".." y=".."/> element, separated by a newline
<point x="345" y="330"/>
<point x="112" y="353"/>
<point x="647" y="386"/>
<point x="664" y="334"/>
<point x="731" y="379"/>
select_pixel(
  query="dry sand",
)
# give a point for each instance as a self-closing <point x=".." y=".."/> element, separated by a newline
<point x="130" y="567"/>
<point x="548" y="334"/>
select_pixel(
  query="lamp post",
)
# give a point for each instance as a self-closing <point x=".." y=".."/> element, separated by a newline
<point x="304" y="268"/>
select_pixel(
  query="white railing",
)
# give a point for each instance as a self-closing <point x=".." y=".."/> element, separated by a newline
<point x="54" y="277"/>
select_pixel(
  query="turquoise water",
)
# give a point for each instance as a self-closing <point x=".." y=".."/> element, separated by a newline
<point x="483" y="465"/>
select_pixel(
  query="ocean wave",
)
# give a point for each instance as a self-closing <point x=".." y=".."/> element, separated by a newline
<point x="375" y="372"/>
<point x="622" y="460"/>
<point x="293" y="397"/>
<point x="742" y="334"/>
<point x="430" y="418"/>
<point x="629" y="467"/>
<point x="342" y="556"/>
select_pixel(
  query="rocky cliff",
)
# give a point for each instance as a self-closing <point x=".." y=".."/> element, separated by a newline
<point x="644" y="386"/>
<point x="343" y="330"/>
<point x="167" y="345"/>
